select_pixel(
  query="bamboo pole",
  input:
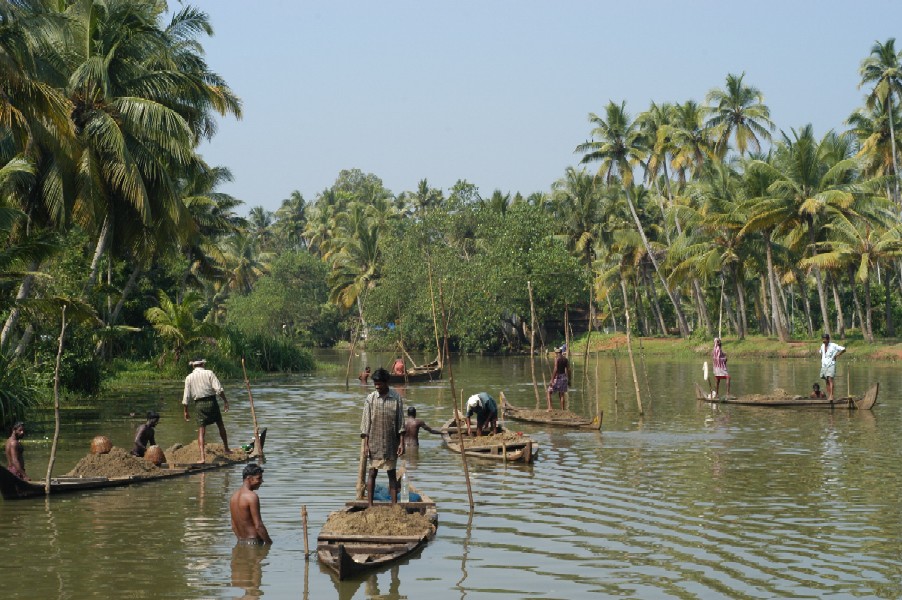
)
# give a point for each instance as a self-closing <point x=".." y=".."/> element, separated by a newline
<point x="438" y="348"/>
<point x="56" y="403"/>
<point x="629" y="347"/>
<point x="361" y="471"/>
<point x="258" y="447"/>
<point x="304" y="520"/>
<point x="460" y="434"/>
<point x="351" y="355"/>
<point x="532" y="342"/>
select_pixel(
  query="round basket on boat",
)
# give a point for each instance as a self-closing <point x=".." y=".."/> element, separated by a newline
<point x="155" y="455"/>
<point x="101" y="444"/>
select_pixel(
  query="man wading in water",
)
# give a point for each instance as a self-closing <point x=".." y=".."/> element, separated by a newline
<point x="244" y="507"/>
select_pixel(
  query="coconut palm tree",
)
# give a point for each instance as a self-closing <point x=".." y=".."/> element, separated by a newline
<point x="177" y="323"/>
<point x="883" y="69"/>
<point x="620" y="148"/>
<point x="738" y="111"/>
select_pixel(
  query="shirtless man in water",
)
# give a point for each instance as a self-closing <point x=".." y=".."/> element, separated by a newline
<point x="15" y="458"/>
<point x="412" y="426"/>
<point x="245" y="509"/>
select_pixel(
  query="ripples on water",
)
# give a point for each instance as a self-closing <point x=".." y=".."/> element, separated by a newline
<point x="687" y="501"/>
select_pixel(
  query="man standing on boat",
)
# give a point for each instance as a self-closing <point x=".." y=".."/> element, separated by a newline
<point x="244" y="507"/>
<point x="15" y="452"/>
<point x="719" y="360"/>
<point x="382" y="430"/>
<point x="560" y="377"/>
<point x="202" y="387"/>
<point x="486" y="410"/>
<point x="829" y="353"/>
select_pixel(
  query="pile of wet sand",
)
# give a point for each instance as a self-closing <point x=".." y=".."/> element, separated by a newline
<point x="778" y="393"/>
<point x="116" y="463"/>
<point x="378" y="520"/>
<point x="496" y="439"/>
<point x="119" y="463"/>
<point x="541" y="414"/>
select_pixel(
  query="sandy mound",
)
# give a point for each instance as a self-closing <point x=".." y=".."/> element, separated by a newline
<point x="778" y="393"/>
<point x="508" y="438"/>
<point x="117" y="463"/>
<point x="542" y="414"/>
<point x="377" y="520"/>
<point x="190" y="454"/>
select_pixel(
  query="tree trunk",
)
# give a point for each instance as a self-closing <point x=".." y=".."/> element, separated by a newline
<point x="629" y="345"/>
<point x="114" y="315"/>
<point x="892" y="137"/>
<point x="806" y="304"/>
<point x="855" y="298"/>
<point x="777" y="316"/>
<point x="740" y="296"/>
<point x="681" y="318"/>
<point x="761" y="310"/>
<point x="653" y="302"/>
<point x="822" y="297"/>
<point x="888" y="311"/>
<point x="102" y="242"/>
<point x="702" y="309"/>
<point x="840" y="319"/>
<point x="23" y="293"/>
<point x="56" y="404"/>
<point x="640" y="310"/>
<point x="869" y="331"/>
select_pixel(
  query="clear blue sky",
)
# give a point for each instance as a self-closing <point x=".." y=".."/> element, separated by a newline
<point x="497" y="92"/>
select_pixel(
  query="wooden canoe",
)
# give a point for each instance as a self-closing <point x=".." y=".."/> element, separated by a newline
<point x="13" y="488"/>
<point x="428" y="372"/>
<point x="348" y="555"/>
<point x="865" y="402"/>
<point x="524" y="449"/>
<point x="557" y="418"/>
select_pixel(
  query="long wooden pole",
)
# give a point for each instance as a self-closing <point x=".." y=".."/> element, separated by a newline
<point x="532" y="342"/>
<point x="460" y="434"/>
<point x="258" y="447"/>
<point x="629" y="346"/>
<point x="56" y="404"/>
<point x="361" y="471"/>
<point x="351" y="355"/>
<point x="304" y="520"/>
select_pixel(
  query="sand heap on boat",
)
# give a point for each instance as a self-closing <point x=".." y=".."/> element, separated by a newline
<point x="119" y="463"/>
<point x="377" y="520"/>
<point x="507" y="438"/>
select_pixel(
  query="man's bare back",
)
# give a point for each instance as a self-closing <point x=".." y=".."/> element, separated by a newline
<point x="244" y="506"/>
<point x="412" y="427"/>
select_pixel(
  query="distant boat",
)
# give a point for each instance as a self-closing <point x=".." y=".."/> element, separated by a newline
<point x="349" y="554"/>
<point x="13" y="488"/>
<point x="555" y="417"/>
<point x="428" y="372"/>
<point x="523" y="449"/>
<point x="865" y="402"/>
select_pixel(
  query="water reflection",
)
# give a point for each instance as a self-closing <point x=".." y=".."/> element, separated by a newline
<point x="247" y="568"/>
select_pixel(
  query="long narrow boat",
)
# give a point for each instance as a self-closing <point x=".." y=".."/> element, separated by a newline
<point x="555" y="417"/>
<point x="427" y="372"/>
<point x="348" y="554"/>
<point x="865" y="402"/>
<point x="521" y="448"/>
<point x="13" y="488"/>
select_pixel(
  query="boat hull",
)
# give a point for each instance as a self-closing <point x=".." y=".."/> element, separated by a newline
<point x="524" y="415"/>
<point x="349" y="555"/>
<point x="524" y="451"/>
<point x="865" y="402"/>
<point x="430" y="372"/>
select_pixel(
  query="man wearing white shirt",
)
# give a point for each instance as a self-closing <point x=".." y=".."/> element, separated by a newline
<point x="202" y="387"/>
<point x="829" y="353"/>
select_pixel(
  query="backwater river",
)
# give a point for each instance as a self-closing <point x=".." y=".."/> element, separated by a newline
<point x="687" y="500"/>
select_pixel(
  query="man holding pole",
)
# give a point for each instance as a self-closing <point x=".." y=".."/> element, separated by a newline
<point x="202" y="387"/>
<point x="829" y="353"/>
<point x="382" y="430"/>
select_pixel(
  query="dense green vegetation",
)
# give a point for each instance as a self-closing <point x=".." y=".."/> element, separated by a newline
<point x="695" y="217"/>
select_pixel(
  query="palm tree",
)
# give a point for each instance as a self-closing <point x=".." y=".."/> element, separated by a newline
<point x="810" y="180"/>
<point x="177" y="323"/>
<point x="738" y="111"/>
<point x="690" y="139"/>
<point x="291" y="219"/>
<point x="883" y="69"/>
<point x="620" y="148"/>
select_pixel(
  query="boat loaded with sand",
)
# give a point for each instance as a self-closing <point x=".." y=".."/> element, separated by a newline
<point x="428" y="372"/>
<point x="135" y="470"/>
<point x="780" y="398"/>
<point x="555" y="417"/>
<point x="503" y="445"/>
<point x="358" y="537"/>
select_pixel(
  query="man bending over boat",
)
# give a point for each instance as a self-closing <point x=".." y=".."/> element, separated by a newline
<point x="412" y="428"/>
<point x="382" y="430"/>
<point x="15" y="452"/>
<point x="486" y="411"/>
<point x="244" y="507"/>
<point x="202" y="386"/>
<point x="145" y="435"/>
<point x="829" y="353"/>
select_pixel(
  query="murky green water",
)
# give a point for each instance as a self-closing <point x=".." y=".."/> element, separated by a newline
<point x="687" y="501"/>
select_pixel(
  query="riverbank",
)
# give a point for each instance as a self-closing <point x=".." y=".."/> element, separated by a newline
<point x="750" y="347"/>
